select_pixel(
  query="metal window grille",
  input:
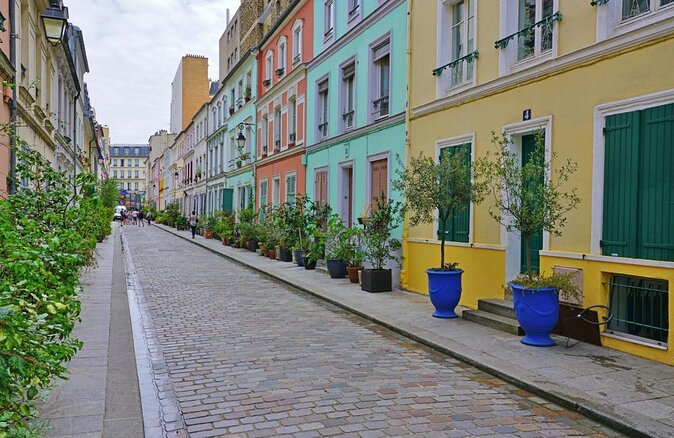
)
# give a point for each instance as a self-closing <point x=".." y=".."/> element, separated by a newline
<point x="639" y="306"/>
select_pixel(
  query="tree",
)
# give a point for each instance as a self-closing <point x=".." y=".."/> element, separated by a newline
<point x="528" y="198"/>
<point x="445" y="186"/>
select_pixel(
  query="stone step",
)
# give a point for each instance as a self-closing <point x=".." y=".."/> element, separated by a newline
<point x="498" y="322"/>
<point x="500" y="307"/>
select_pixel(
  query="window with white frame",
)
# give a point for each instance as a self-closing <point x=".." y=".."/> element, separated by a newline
<point x="277" y="129"/>
<point x="263" y="198"/>
<point x="265" y="134"/>
<point x="281" y="58"/>
<point x="348" y="95"/>
<point x="381" y="80"/>
<point x="634" y="8"/>
<point x="328" y="19"/>
<point x="269" y="66"/>
<point x="292" y="120"/>
<point x="291" y="187"/>
<point x="538" y="40"/>
<point x="275" y="191"/>
<point x="353" y="8"/>
<point x="457" y="27"/>
<point x="322" y="116"/>
<point x="297" y="42"/>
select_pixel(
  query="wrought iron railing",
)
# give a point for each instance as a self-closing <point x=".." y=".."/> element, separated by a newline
<point x="524" y="32"/>
<point x="640" y="307"/>
<point x="348" y="118"/>
<point x="381" y="107"/>
<point x="323" y="129"/>
<point x="469" y="58"/>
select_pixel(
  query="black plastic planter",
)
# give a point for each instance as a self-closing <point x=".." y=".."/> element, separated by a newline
<point x="299" y="257"/>
<point x="251" y="245"/>
<point x="376" y="280"/>
<point x="309" y="264"/>
<point x="336" y="268"/>
<point x="286" y="255"/>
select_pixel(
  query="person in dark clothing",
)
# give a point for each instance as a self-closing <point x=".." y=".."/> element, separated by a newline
<point x="193" y="223"/>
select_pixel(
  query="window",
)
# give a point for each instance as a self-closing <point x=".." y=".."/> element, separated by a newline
<point x="136" y="151"/>
<point x="633" y="8"/>
<point x="321" y="186"/>
<point x="137" y="163"/>
<point x="135" y="186"/>
<point x="137" y="174"/>
<point x="114" y="162"/>
<point x="263" y="198"/>
<point x="381" y="57"/>
<point x="455" y="223"/>
<point x="534" y="43"/>
<point x="114" y="174"/>
<point x="128" y="186"/>
<point x="276" y="192"/>
<point x="328" y="19"/>
<point x="292" y="120"/>
<point x="281" y="58"/>
<point x="460" y="21"/>
<point x="269" y="67"/>
<point x="322" y="109"/>
<point x="290" y="188"/>
<point x="265" y="134"/>
<point x="128" y="174"/>
<point x="378" y="181"/>
<point x="297" y="42"/>
<point x="277" y="129"/>
<point x="348" y="96"/>
<point x="354" y="8"/>
<point x="121" y="162"/>
<point x="638" y="220"/>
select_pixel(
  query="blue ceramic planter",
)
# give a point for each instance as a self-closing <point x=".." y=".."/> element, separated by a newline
<point x="444" y="289"/>
<point x="537" y="311"/>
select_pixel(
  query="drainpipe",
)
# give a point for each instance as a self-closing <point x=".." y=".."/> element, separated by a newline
<point x="13" y="111"/>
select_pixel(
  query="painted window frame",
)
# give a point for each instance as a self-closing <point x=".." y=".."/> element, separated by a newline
<point x="368" y="174"/>
<point x="269" y="67"/>
<point x="322" y="110"/>
<point x="318" y="170"/>
<point x="343" y="94"/>
<point x="353" y="12"/>
<point x="509" y="24"/>
<point x="439" y="146"/>
<point x="277" y="129"/>
<point x="445" y="44"/>
<point x="276" y="196"/>
<point x="263" y="196"/>
<point x="329" y="21"/>
<point x="293" y="175"/>
<point x="292" y="121"/>
<point x="264" y="140"/>
<point x="611" y="24"/>
<point x="282" y="55"/>
<point x="297" y="33"/>
<point x="374" y="92"/>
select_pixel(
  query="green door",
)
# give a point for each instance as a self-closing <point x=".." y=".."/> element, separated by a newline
<point x="536" y="239"/>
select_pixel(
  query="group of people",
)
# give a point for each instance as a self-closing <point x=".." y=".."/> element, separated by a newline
<point x="135" y="217"/>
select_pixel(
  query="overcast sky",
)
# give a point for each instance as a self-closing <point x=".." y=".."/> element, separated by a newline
<point x="134" y="47"/>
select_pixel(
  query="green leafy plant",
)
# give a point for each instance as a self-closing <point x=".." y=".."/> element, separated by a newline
<point x="441" y="188"/>
<point x="528" y="198"/>
<point x="224" y="226"/>
<point x="48" y="232"/>
<point x="379" y="245"/>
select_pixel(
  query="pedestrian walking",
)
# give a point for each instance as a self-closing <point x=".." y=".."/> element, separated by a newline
<point x="193" y="223"/>
<point x="134" y="217"/>
<point x="148" y="216"/>
<point x="141" y="222"/>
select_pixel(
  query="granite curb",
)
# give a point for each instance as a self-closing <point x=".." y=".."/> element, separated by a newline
<point x="635" y="424"/>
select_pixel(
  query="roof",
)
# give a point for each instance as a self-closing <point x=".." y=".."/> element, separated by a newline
<point x="213" y="90"/>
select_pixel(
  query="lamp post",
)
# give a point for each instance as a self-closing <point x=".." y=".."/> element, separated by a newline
<point x="241" y="140"/>
<point x="54" y="20"/>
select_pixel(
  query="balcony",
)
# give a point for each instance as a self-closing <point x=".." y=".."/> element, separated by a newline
<point x="347" y="117"/>
<point x="381" y="107"/>
<point x="323" y="130"/>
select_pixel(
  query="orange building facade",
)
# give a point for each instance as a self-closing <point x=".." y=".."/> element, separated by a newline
<point x="281" y="107"/>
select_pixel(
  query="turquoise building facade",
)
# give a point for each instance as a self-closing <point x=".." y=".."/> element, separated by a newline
<point x="356" y="92"/>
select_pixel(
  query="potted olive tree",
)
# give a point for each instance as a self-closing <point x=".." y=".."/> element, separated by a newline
<point x="337" y="247"/>
<point x="529" y="198"/>
<point x="446" y="188"/>
<point x="355" y="254"/>
<point x="380" y="246"/>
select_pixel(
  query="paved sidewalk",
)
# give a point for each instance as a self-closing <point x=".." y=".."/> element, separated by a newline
<point x="101" y="397"/>
<point x="630" y="394"/>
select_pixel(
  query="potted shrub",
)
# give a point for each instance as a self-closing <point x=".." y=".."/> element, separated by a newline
<point x="380" y="246"/>
<point x="446" y="188"/>
<point x="224" y="226"/>
<point x="247" y="93"/>
<point x="315" y="246"/>
<point x="529" y="198"/>
<point x="209" y="226"/>
<point x="337" y="247"/>
<point x="355" y="255"/>
<point x="247" y="230"/>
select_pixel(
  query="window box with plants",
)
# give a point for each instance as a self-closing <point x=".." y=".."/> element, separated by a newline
<point x="380" y="246"/>
<point x="247" y="93"/>
<point x="529" y="198"/>
<point x="446" y="188"/>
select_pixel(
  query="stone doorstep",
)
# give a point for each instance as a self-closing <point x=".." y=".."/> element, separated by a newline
<point x="631" y="423"/>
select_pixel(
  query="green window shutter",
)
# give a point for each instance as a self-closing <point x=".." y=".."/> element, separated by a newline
<point x="656" y="185"/>
<point x="228" y="200"/>
<point x="621" y="158"/>
<point x="457" y="225"/>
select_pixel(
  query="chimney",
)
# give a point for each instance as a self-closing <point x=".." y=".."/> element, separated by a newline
<point x="227" y="16"/>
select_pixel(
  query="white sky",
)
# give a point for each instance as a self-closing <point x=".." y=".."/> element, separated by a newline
<point x="134" y="47"/>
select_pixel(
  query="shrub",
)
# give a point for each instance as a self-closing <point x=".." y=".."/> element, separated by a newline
<point x="45" y="238"/>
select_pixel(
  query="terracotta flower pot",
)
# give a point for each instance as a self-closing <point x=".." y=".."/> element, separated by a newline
<point x="208" y="234"/>
<point x="353" y="273"/>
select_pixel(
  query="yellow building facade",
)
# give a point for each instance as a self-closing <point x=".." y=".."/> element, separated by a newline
<point x="581" y="73"/>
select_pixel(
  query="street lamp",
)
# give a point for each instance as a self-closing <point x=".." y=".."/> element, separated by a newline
<point x="54" y="20"/>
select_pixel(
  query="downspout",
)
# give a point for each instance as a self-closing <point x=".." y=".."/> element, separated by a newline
<point x="404" y="272"/>
<point x="13" y="110"/>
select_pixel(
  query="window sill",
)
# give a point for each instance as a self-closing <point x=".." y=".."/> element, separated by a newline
<point x="458" y="88"/>
<point x="635" y="340"/>
<point x="642" y="20"/>
<point x="533" y="61"/>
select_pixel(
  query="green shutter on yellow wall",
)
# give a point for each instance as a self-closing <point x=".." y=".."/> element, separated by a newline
<point x="457" y="226"/>
<point x="639" y="184"/>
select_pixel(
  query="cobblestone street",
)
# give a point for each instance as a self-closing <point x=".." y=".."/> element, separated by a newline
<point x="246" y="355"/>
